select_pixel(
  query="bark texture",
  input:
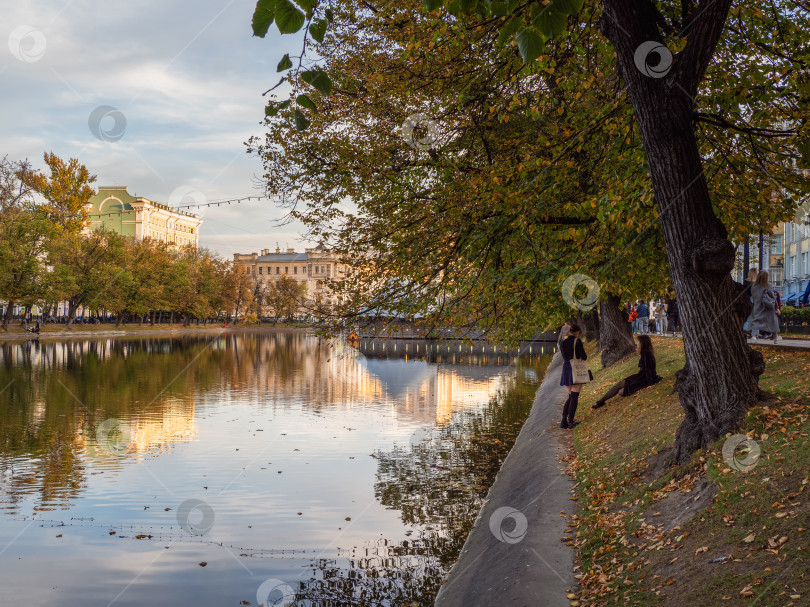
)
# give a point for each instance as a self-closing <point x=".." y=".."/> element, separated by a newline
<point x="615" y="333"/>
<point x="8" y="315"/>
<point x="719" y="381"/>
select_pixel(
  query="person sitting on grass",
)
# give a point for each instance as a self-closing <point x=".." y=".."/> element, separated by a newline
<point x="645" y="377"/>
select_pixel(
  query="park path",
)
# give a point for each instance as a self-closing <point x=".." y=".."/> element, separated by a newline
<point x="513" y="557"/>
<point x="800" y="344"/>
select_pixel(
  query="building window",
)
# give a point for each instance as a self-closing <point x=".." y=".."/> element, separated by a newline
<point x="260" y="270"/>
<point x="776" y="244"/>
<point x="304" y="270"/>
<point x="278" y="269"/>
<point x="295" y="269"/>
<point x="286" y="270"/>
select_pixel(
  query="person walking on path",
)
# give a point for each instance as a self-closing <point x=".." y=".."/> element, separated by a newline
<point x="571" y="347"/>
<point x="646" y="376"/>
<point x="661" y="318"/>
<point x="643" y="318"/>
<point x="763" y="316"/>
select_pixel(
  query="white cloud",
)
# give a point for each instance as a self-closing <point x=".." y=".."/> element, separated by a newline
<point x="186" y="74"/>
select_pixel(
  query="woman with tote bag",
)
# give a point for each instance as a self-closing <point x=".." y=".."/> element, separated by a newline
<point x="575" y="374"/>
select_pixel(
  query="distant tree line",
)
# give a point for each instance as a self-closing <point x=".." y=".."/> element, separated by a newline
<point x="45" y="259"/>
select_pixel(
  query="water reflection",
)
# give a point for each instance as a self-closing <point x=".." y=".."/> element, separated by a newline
<point x="103" y="440"/>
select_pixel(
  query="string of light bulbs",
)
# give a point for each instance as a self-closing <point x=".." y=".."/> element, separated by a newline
<point x="196" y="205"/>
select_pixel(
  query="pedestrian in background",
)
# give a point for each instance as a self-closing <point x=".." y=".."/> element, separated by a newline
<point x="643" y="318"/>
<point x="633" y="318"/>
<point x="763" y="316"/>
<point x="661" y="318"/>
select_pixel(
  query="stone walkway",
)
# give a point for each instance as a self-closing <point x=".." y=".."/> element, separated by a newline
<point x="513" y="557"/>
<point x="796" y="343"/>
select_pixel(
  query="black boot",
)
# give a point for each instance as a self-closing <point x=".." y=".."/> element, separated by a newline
<point x="564" y="422"/>
<point x="572" y="408"/>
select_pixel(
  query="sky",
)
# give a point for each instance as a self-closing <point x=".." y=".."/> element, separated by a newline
<point x="155" y="95"/>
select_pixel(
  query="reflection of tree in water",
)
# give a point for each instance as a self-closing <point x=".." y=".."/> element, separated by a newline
<point x="54" y="395"/>
<point x="438" y="485"/>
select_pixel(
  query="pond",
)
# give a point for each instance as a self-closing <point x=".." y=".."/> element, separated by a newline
<point x="271" y="468"/>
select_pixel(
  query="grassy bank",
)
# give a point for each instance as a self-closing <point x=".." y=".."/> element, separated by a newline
<point x="704" y="533"/>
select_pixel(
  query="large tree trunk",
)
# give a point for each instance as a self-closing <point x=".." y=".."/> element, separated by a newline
<point x="719" y="381"/>
<point x="9" y="315"/>
<point x="72" y="308"/>
<point x="615" y="333"/>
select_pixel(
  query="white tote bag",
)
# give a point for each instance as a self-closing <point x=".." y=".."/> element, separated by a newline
<point x="579" y="369"/>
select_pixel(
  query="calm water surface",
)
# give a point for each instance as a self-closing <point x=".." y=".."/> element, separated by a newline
<point x="244" y="469"/>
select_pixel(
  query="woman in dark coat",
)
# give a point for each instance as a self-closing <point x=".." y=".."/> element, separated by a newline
<point x="571" y="346"/>
<point x="645" y="377"/>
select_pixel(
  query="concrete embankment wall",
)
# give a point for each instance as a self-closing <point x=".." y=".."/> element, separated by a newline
<point x="514" y="557"/>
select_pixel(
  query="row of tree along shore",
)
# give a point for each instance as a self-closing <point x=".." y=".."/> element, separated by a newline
<point x="47" y="258"/>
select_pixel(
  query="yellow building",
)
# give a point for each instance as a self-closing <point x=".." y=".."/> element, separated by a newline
<point x="116" y="209"/>
<point x="313" y="268"/>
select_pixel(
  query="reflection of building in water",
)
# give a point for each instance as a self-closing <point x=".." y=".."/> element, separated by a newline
<point x="161" y="429"/>
<point x="430" y="393"/>
<point x="290" y="367"/>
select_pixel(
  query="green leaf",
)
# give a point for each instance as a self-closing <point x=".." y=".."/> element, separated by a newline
<point x="288" y="18"/>
<point x="263" y="17"/>
<point x="319" y="80"/>
<point x="330" y="16"/>
<point x="307" y="5"/>
<point x="468" y="6"/>
<point x="499" y="9"/>
<point x="271" y="110"/>
<point x="284" y="64"/>
<point x="550" y="22"/>
<point x="432" y="5"/>
<point x="508" y="30"/>
<point x="301" y="122"/>
<point x="569" y="7"/>
<point x="317" y="29"/>
<point x="804" y="150"/>
<point x="530" y="44"/>
<point x="305" y="101"/>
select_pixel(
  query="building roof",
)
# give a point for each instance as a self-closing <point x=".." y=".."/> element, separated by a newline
<point x="284" y="257"/>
